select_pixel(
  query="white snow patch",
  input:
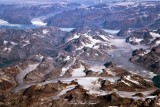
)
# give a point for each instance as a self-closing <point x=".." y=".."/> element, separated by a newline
<point x="154" y="35"/>
<point x="110" y="72"/>
<point x="13" y="43"/>
<point x="75" y="36"/>
<point x="7" y="49"/>
<point x="104" y="37"/>
<point x="5" y="42"/>
<point x="38" y="22"/>
<point x="27" y="42"/>
<point x="91" y="85"/>
<point x="157" y="42"/>
<point x="64" y="69"/>
<point x="111" y="31"/>
<point x="5" y="23"/>
<point x="93" y="41"/>
<point x="66" y="29"/>
<point x="45" y="31"/>
<point x="124" y="3"/>
<point x="64" y="91"/>
<point x="78" y="72"/>
<point x="125" y="82"/>
<point x="67" y="58"/>
<point x="128" y="77"/>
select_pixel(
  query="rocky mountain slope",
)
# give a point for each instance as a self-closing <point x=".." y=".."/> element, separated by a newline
<point x="32" y="13"/>
<point x="116" y="15"/>
<point x="112" y="15"/>
<point x="149" y="55"/>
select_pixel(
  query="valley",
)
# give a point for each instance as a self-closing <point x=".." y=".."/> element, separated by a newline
<point x="66" y="54"/>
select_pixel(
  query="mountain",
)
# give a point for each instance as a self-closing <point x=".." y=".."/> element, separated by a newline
<point x="33" y="13"/>
<point x="80" y="67"/>
<point x="19" y="44"/>
<point x="115" y="15"/>
<point x="148" y="42"/>
<point x="90" y="54"/>
<point x="112" y="15"/>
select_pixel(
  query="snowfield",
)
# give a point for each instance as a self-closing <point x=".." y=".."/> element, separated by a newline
<point x="5" y="23"/>
<point x="38" y="22"/>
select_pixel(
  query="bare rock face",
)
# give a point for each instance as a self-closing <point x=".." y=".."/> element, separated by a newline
<point x="149" y="60"/>
<point x="20" y="44"/>
<point x="109" y="64"/>
<point x="107" y="86"/>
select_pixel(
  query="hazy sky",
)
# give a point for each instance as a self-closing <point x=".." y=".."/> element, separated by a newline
<point x="7" y="1"/>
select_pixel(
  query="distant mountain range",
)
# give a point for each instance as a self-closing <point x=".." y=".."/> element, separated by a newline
<point x="116" y="15"/>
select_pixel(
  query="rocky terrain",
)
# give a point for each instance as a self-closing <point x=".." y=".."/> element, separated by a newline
<point x="147" y="57"/>
<point x="56" y="68"/>
<point x="116" y="15"/>
<point x="33" y="13"/>
<point x="113" y="15"/>
<point x="62" y="54"/>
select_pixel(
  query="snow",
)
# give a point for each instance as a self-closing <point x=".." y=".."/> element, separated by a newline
<point x="128" y="77"/>
<point x="67" y="58"/>
<point x="64" y="69"/>
<point x="111" y="31"/>
<point x="13" y="43"/>
<point x="127" y="4"/>
<point x="89" y="84"/>
<point x="125" y="94"/>
<point x="124" y="3"/>
<point x="38" y="22"/>
<point x="7" y="49"/>
<point x="125" y="82"/>
<point x="154" y="35"/>
<point x="5" y="42"/>
<point x="78" y="72"/>
<point x="138" y="40"/>
<point x="134" y="39"/>
<point x="106" y="38"/>
<point x="157" y="42"/>
<point x="96" y="46"/>
<point x="93" y="41"/>
<point x="96" y="54"/>
<point x="96" y="68"/>
<point x="45" y="31"/>
<point x="5" y="23"/>
<point x="119" y="42"/>
<point x="110" y="72"/>
<point x="64" y="91"/>
<point x="66" y="29"/>
<point x="24" y="72"/>
<point x="75" y="36"/>
<point x="90" y="41"/>
<point x="27" y="42"/>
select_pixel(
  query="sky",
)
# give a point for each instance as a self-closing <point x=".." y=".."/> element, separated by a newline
<point x="14" y="1"/>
